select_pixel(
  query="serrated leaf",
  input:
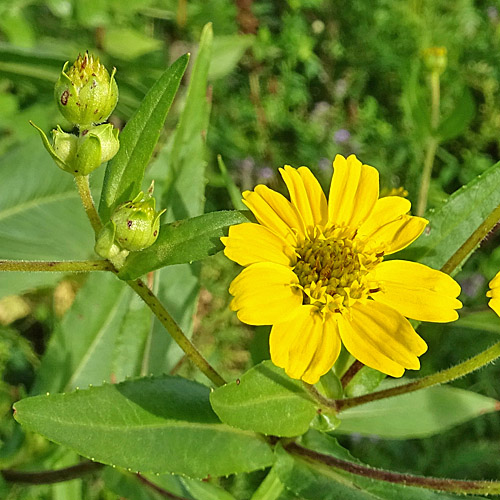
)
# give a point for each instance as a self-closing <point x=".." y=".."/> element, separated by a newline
<point x="315" y="481"/>
<point x="183" y="241"/>
<point x="162" y="425"/>
<point x="451" y="225"/>
<point x="137" y="141"/>
<point x="417" y="414"/>
<point x="265" y="400"/>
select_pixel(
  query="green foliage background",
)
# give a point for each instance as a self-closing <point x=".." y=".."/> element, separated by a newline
<point x="291" y="82"/>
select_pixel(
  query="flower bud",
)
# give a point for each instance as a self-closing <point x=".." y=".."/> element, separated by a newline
<point x="435" y="58"/>
<point x="86" y="94"/>
<point x="81" y="155"/>
<point x="137" y="223"/>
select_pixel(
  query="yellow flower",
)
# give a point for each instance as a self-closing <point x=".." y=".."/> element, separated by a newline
<point x="315" y="270"/>
<point x="494" y="293"/>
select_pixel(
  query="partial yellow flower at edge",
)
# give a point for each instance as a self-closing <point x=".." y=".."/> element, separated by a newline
<point x="494" y="293"/>
<point x="315" y="271"/>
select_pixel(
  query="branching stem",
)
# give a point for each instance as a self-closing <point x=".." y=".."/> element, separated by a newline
<point x="441" y="377"/>
<point x="71" y="266"/>
<point x="432" y="483"/>
<point x="51" y="476"/>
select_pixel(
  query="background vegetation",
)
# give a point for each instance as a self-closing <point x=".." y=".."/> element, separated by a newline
<point x="292" y="82"/>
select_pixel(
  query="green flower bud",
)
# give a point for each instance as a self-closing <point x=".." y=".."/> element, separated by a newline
<point x="137" y="223"/>
<point x="81" y="155"/>
<point x="435" y="58"/>
<point x="86" y="94"/>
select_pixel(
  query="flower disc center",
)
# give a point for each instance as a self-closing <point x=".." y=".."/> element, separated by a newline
<point x="333" y="267"/>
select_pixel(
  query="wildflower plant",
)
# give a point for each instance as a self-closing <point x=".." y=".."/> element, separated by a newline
<point x="323" y="271"/>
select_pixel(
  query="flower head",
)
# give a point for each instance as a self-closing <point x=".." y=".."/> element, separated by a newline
<point x="315" y="271"/>
<point x="494" y="293"/>
<point x="86" y="94"/>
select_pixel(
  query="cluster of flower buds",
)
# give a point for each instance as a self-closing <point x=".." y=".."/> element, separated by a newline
<point x="86" y="95"/>
<point x="134" y="225"/>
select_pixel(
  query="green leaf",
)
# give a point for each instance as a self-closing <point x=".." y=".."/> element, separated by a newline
<point x="484" y="321"/>
<point x="128" y="43"/>
<point x="458" y="121"/>
<point x="162" y="425"/>
<point x="179" y="173"/>
<point x="313" y="481"/>
<point x="137" y="141"/>
<point x="80" y="351"/>
<point x="456" y="220"/>
<point x="183" y="241"/>
<point x="41" y="217"/>
<point x="201" y="490"/>
<point x="228" y="50"/>
<point x="265" y="400"/>
<point x="416" y="415"/>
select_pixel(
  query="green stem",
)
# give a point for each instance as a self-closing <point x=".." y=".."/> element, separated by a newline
<point x="74" y="266"/>
<point x="51" y="476"/>
<point x="472" y="242"/>
<point x="435" y="93"/>
<point x="431" y="147"/>
<point x="426" y="176"/>
<point x="148" y="296"/>
<point x="82" y="183"/>
<point x="175" y="331"/>
<point x="431" y="483"/>
<point x="441" y="377"/>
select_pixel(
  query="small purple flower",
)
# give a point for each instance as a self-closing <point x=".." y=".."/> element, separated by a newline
<point x="266" y="173"/>
<point x="324" y="164"/>
<point x="492" y="12"/>
<point x="342" y="135"/>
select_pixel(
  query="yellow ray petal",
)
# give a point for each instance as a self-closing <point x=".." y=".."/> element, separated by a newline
<point x="275" y="212"/>
<point x="386" y="210"/>
<point x="417" y="291"/>
<point x="249" y="243"/>
<point x="381" y="338"/>
<point x="495" y="305"/>
<point x="264" y="294"/>
<point x="495" y="282"/>
<point x="494" y="293"/>
<point x="305" y="346"/>
<point x="398" y="234"/>
<point x="326" y="354"/>
<point x="418" y="275"/>
<point x="306" y="194"/>
<point x="353" y="192"/>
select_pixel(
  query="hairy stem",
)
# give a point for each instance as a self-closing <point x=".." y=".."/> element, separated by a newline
<point x="148" y="296"/>
<point x="51" y="476"/>
<point x="432" y="483"/>
<point x="351" y="372"/>
<point x="72" y="266"/>
<point x="441" y="377"/>
<point x="175" y="331"/>
<point x="82" y="183"/>
<point x="472" y="242"/>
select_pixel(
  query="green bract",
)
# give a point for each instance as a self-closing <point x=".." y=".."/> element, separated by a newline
<point x="137" y="223"/>
<point x="81" y="155"/>
<point x="86" y="94"/>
